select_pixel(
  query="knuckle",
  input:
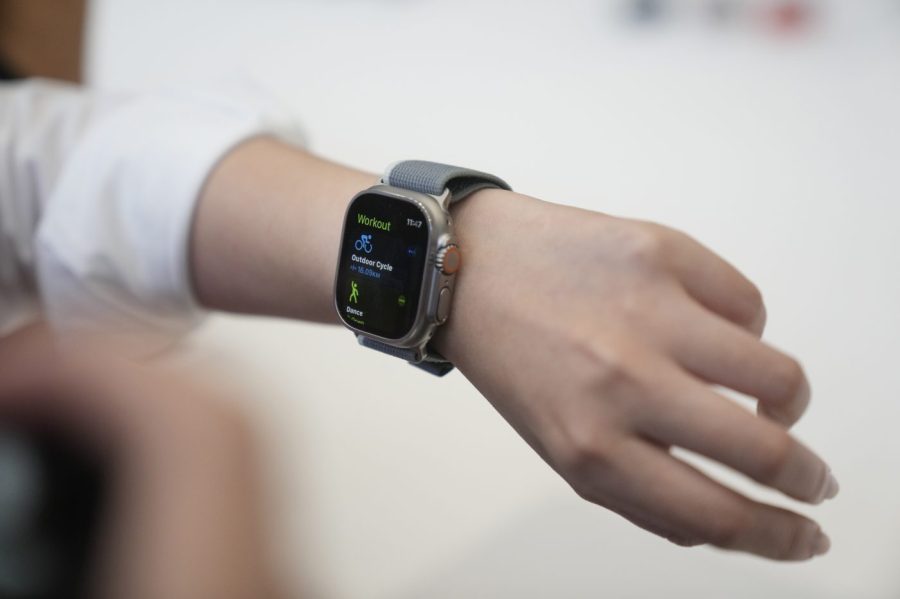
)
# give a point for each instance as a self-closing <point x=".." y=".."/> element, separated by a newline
<point x="754" y="299"/>
<point x="788" y="379"/>
<point x="728" y="530"/>
<point x="609" y="362"/>
<point x="645" y="245"/>
<point x="797" y="541"/>
<point x="589" y="453"/>
<point x="585" y="490"/>
<point x="755" y="304"/>
<point x="773" y="456"/>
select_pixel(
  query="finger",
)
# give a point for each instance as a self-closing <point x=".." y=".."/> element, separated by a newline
<point x="657" y="487"/>
<point x="715" y="283"/>
<point x="722" y="353"/>
<point x="695" y="417"/>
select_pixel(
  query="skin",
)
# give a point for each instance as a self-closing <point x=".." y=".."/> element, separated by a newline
<point x="185" y="518"/>
<point x="604" y="363"/>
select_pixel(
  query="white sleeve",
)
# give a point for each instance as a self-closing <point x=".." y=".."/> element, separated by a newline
<point x="97" y="195"/>
<point x="40" y="122"/>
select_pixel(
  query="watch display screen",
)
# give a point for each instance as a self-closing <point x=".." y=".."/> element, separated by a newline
<point x="382" y="262"/>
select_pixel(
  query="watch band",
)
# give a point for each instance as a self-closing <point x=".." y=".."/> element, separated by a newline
<point x="435" y="179"/>
<point x="429" y="361"/>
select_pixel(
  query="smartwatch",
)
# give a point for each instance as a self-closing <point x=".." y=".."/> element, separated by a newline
<point x="399" y="258"/>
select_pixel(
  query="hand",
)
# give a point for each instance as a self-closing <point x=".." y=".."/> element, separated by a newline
<point x="184" y="518"/>
<point x="599" y="340"/>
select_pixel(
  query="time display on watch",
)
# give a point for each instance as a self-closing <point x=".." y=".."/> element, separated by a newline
<point x="381" y="265"/>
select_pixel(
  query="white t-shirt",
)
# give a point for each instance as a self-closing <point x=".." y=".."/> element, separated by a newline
<point x="97" y="194"/>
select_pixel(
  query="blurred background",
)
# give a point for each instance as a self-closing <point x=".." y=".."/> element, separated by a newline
<point x="770" y="130"/>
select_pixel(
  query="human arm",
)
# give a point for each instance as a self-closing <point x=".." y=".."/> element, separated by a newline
<point x="599" y="341"/>
<point x="97" y="193"/>
<point x="182" y="514"/>
<point x="292" y="198"/>
<point x="601" y="363"/>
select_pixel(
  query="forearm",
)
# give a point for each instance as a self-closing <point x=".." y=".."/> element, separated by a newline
<point x="267" y="232"/>
<point x="267" y="229"/>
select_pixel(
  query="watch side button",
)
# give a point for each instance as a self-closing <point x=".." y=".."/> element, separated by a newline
<point x="443" y="307"/>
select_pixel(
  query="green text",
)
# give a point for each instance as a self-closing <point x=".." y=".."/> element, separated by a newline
<point x="373" y="222"/>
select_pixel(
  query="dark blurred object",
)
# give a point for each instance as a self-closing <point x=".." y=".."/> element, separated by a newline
<point x="6" y="73"/>
<point x="51" y="500"/>
<point x="51" y="493"/>
<point x="782" y="17"/>
<point x="647" y="11"/>
<point x="42" y="38"/>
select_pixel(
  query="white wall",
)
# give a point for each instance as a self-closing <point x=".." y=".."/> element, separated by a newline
<point x="784" y="155"/>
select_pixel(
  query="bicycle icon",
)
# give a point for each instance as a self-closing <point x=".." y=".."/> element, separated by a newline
<point x="364" y="243"/>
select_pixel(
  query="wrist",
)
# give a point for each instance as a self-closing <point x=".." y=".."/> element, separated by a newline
<point x="475" y="224"/>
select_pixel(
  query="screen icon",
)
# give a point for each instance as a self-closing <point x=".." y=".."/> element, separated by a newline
<point x="401" y="301"/>
<point x="354" y="292"/>
<point x="364" y="244"/>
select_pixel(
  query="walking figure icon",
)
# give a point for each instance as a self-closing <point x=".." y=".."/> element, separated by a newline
<point x="354" y="292"/>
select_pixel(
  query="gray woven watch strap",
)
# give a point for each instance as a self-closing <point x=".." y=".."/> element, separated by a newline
<point x="432" y="362"/>
<point x="435" y="178"/>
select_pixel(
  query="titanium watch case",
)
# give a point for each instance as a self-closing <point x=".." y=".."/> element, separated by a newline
<point x="434" y="281"/>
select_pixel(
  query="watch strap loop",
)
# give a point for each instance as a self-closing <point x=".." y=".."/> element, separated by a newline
<point x="430" y="361"/>
<point x="435" y="179"/>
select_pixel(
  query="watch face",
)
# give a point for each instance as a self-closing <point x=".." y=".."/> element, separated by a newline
<point x="382" y="262"/>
